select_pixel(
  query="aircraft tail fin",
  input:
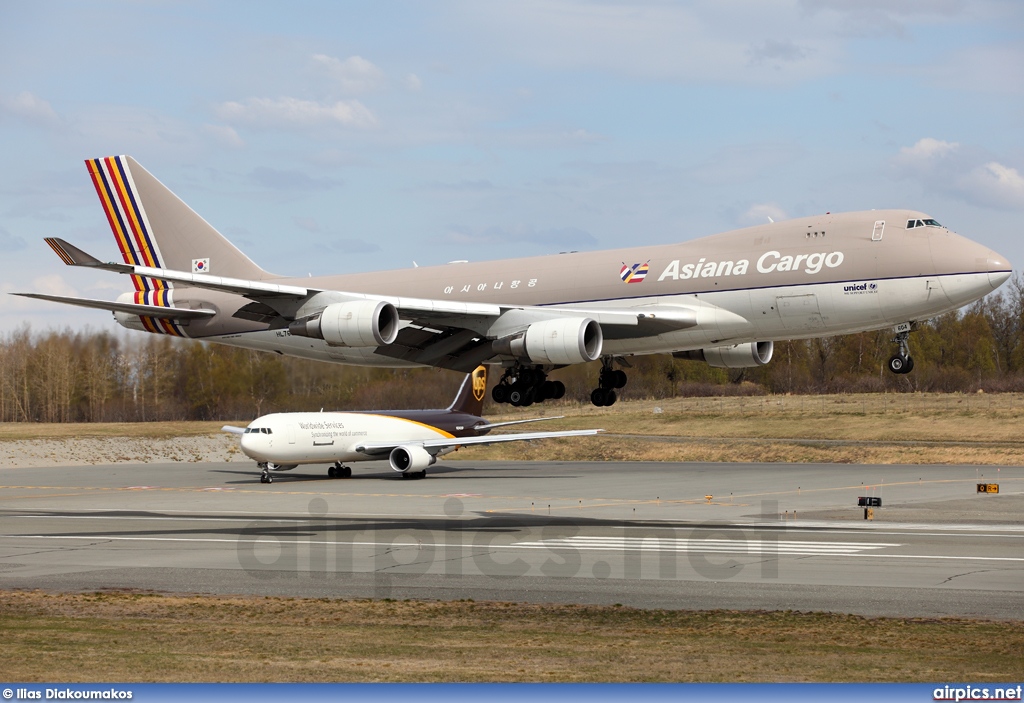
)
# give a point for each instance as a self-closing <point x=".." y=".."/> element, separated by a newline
<point x="470" y="398"/>
<point x="154" y="227"/>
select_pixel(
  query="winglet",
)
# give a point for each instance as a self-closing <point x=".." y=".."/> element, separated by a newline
<point x="73" y="256"/>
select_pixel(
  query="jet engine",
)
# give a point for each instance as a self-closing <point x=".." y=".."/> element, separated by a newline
<point x="563" y="340"/>
<point x="737" y="356"/>
<point x="410" y="459"/>
<point x="361" y="323"/>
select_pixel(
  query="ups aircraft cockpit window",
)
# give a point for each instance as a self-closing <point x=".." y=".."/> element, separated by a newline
<point x="257" y="430"/>
<point x="922" y="223"/>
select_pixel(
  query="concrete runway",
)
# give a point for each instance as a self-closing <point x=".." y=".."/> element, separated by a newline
<point x="771" y="536"/>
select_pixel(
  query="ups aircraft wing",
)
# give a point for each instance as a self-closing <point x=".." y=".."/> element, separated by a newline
<point x="447" y="334"/>
<point x="384" y="448"/>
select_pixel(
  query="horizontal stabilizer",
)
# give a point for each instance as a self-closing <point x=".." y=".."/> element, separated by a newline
<point x="130" y="308"/>
<point x="73" y="256"/>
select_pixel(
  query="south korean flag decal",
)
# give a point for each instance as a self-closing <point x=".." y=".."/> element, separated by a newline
<point x="200" y="265"/>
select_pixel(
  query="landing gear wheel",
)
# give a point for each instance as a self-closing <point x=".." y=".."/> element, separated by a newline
<point x="500" y="393"/>
<point x="558" y="390"/>
<point x="345" y="472"/>
<point x="610" y="397"/>
<point x="332" y="472"/>
<point x="597" y="397"/>
<point x="618" y="378"/>
<point x="266" y="478"/>
<point x="900" y="364"/>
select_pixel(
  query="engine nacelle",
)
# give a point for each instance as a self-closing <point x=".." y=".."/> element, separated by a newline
<point x="413" y="459"/>
<point x="361" y="323"/>
<point x="737" y="356"/>
<point x="563" y="340"/>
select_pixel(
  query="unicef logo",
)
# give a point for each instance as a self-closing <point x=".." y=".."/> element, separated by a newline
<point x="872" y="286"/>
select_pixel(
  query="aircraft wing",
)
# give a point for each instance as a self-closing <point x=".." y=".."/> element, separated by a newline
<point x="382" y="448"/>
<point x="232" y="429"/>
<point x="442" y="333"/>
<point x="131" y="308"/>
<point x="492" y="425"/>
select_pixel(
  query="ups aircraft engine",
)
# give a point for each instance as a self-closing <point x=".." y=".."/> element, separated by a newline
<point x="410" y="459"/>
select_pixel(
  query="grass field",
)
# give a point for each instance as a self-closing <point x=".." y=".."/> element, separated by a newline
<point x="138" y="637"/>
<point x="911" y="428"/>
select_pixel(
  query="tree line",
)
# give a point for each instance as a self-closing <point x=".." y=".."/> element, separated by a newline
<point x="104" y="376"/>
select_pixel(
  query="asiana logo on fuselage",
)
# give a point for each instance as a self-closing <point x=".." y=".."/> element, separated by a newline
<point x="768" y="262"/>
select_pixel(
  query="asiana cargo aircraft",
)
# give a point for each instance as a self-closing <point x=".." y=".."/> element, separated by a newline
<point x="723" y="299"/>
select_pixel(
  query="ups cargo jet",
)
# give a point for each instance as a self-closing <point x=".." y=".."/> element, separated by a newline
<point x="723" y="299"/>
<point x="411" y="440"/>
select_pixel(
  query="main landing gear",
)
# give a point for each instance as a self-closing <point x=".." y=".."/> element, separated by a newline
<point x="522" y="387"/>
<point x="607" y="382"/>
<point x="901" y="362"/>
<point x="339" y="471"/>
<point x="414" y="475"/>
<point x="265" y="477"/>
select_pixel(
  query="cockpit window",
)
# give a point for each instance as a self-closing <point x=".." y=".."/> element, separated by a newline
<point x="911" y="224"/>
<point x="932" y="223"/>
<point x="258" y="430"/>
<point x="267" y="430"/>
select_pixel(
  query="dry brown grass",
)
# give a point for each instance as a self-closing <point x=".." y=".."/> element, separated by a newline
<point x="133" y="637"/>
<point x="88" y="430"/>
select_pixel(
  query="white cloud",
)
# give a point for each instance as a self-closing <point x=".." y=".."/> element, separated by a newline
<point x="293" y="112"/>
<point x="1000" y="185"/>
<point x="963" y="172"/>
<point x="925" y="150"/>
<point x="224" y="134"/>
<point x="759" y="213"/>
<point x="30" y="108"/>
<point x="354" y="75"/>
<point x="413" y="82"/>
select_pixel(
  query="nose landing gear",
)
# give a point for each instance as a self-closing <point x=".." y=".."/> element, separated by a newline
<point x="339" y="471"/>
<point x="901" y="362"/>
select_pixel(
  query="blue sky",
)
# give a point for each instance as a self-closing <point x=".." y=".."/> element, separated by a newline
<point x="329" y="137"/>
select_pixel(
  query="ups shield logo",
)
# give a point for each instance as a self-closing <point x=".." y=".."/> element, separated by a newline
<point x="479" y="382"/>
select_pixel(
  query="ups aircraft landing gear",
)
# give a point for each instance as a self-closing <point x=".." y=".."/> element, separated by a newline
<point x="901" y="362"/>
<point x="607" y="382"/>
<point x="339" y="471"/>
<point x="523" y="386"/>
<point x="265" y="477"/>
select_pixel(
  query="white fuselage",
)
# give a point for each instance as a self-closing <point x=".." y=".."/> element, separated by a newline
<point x="323" y="438"/>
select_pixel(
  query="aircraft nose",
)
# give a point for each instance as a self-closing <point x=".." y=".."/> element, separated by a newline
<point x="249" y="442"/>
<point x="999" y="270"/>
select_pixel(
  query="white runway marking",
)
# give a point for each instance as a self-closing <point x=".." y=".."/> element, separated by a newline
<point x="697" y="546"/>
<point x="717" y="546"/>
